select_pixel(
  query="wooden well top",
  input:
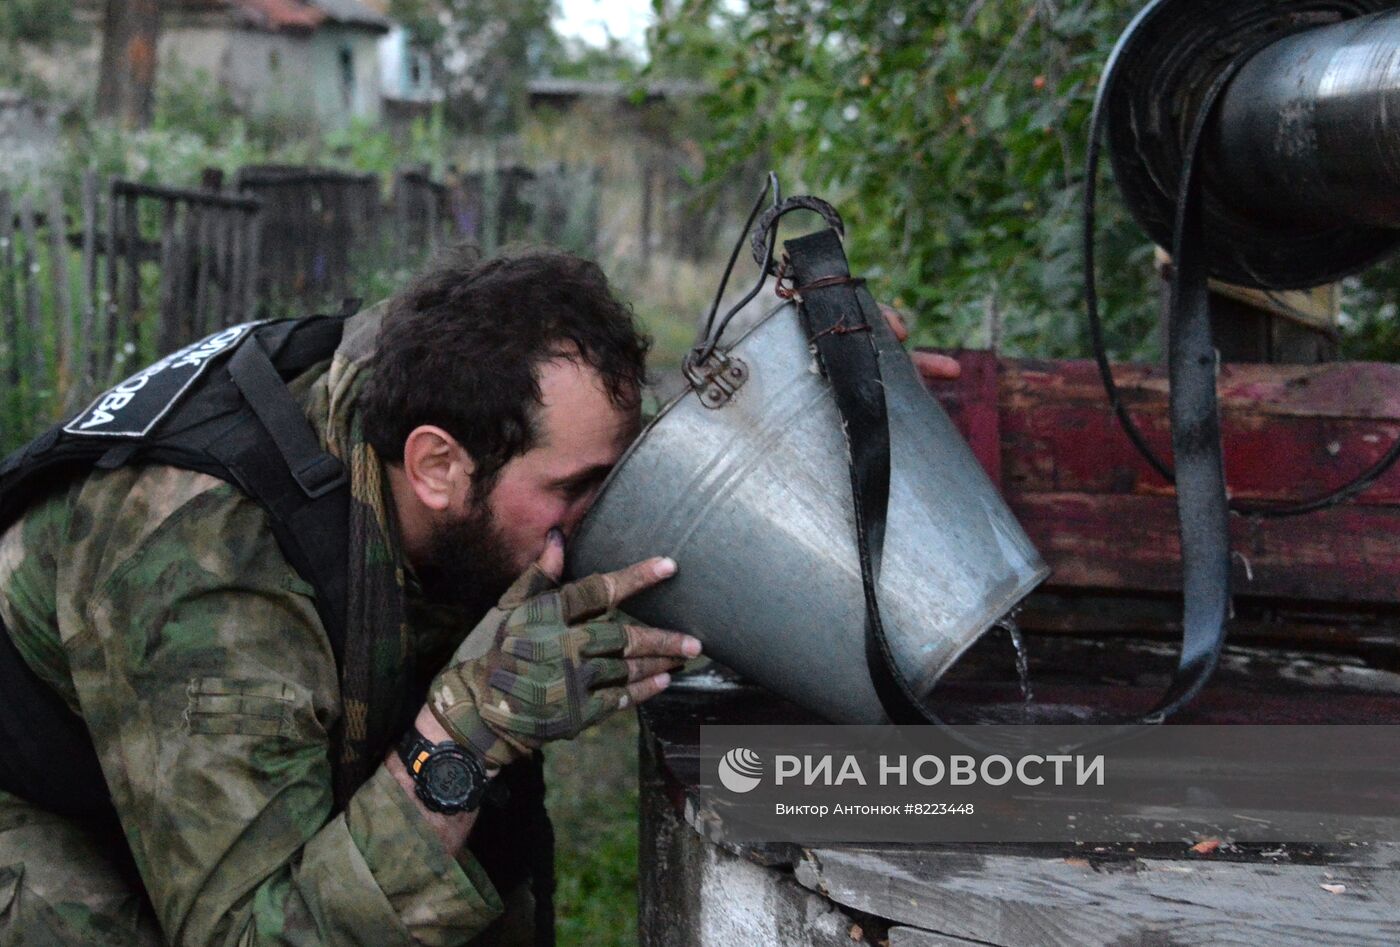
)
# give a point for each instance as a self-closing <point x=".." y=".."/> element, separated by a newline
<point x="1044" y="893"/>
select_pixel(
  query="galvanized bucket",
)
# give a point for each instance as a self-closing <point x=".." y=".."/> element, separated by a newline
<point x="753" y="500"/>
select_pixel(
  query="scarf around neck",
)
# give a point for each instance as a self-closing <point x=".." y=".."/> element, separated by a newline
<point x="376" y="667"/>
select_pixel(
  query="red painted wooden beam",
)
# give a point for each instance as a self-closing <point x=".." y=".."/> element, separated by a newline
<point x="1105" y="520"/>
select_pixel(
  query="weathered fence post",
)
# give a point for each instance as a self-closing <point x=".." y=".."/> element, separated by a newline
<point x="84" y="349"/>
<point x="9" y="295"/>
<point x="167" y="319"/>
<point x="132" y="301"/>
<point x="252" y="257"/>
<point x="113" y="306"/>
<point x="62" y="291"/>
<point x="648" y="173"/>
<point x="196" y="319"/>
<point x="29" y="266"/>
<point x="491" y="204"/>
<point x="314" y="218"/>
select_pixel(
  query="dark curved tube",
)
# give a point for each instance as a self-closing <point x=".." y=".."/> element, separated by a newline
<point x="1309" y="131"/>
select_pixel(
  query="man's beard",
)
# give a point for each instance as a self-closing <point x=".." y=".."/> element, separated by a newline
<point x="468" y="562"/>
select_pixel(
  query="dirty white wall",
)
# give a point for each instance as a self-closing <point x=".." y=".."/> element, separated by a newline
<point x="331" y="75"/>
<point x="28" y="138"/>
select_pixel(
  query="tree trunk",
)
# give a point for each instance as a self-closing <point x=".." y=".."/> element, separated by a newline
<point x="127" y="72"/>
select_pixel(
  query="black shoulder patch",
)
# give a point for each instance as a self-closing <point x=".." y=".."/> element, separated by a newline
<point x="133" y="407"/>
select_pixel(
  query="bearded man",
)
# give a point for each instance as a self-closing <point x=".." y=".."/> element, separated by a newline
<point x="280" y="756"/>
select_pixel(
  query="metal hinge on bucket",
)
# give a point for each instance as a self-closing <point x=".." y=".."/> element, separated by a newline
<point x="716" y="378"/>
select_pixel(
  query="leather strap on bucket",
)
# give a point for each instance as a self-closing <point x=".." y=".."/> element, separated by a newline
<point x="839" y="315"/>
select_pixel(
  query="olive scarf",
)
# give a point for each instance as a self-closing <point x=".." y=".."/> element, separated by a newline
<point x="377" y="664"/>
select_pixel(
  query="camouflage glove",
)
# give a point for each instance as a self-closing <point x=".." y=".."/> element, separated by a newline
<point x="555" y="664"/>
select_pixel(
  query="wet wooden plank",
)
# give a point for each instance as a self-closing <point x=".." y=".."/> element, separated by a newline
<point x="1348" y="554"/>
<point x="1335" y="389"/>
<point x="1289" y="431"/>
<point x="1002" y="898"/>
<point x="1369" y="630"/>
<point x="1105" y="521"/>
<point x="972" y="402"/>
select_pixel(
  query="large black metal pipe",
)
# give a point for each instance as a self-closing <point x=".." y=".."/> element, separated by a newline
<point x="1309" y="131"/>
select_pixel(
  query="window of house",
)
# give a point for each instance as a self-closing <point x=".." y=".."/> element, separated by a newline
<point x="347" y="73"/>
<point x="274" y="60"/>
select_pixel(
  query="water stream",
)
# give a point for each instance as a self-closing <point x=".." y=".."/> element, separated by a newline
<point x="1018" y="642"/>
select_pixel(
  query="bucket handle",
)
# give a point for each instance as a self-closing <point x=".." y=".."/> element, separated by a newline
<point x="715" y="375"/>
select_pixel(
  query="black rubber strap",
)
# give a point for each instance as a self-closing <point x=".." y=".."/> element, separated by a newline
<point x="315" y="471"/>
<point x="1202" y="501"/>
<point x="304" y="488"/>
<point x="838" y="314"/>
<point x="1117" y="65"/>
<point x="1202" y="504"/>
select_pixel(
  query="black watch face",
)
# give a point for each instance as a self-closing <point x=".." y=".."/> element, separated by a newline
<point x="451" y="779"/>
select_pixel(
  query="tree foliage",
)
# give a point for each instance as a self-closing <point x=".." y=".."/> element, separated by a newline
<point x="37" y="22"/>
<point x="951" y="136"/>
<point x="31" y="23"/>
<point x="485" y="51"/>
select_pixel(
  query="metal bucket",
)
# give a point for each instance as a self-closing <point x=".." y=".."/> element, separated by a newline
<point x="753" y="500"/>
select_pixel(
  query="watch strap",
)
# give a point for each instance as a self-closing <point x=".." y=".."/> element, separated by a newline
<point x="417" y="753"/>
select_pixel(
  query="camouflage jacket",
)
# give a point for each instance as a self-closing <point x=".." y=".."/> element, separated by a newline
<point x="157" y="603"/>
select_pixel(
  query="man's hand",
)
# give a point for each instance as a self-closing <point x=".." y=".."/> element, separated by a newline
<point x="562" y="659"/>
<point x="931" y="366"/>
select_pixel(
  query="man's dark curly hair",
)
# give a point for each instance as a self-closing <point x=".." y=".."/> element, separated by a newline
<point x="461" y="346"/>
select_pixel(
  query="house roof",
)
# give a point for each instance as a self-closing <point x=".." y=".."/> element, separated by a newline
<point x="352" y="12"/>
<point x="554" y="88"/>
<point x="297" y="15"/>
<point x="279" y="14"/>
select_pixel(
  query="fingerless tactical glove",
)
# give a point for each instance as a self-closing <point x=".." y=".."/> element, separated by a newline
<point x="554" y="668"/>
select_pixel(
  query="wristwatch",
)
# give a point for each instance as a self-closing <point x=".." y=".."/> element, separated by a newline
<point x="447" y="777"/>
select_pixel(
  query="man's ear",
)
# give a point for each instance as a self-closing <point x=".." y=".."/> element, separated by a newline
<point x="438" y="469"/>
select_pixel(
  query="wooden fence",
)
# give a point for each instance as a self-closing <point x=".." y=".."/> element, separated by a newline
<point x="134" y="268"/>
<point x="320" y="226"/>
<point x="205" y="248"/>
<point x="423" y="211"/>
<point x="95" y="283"/>
<point x="316" y="221"/>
